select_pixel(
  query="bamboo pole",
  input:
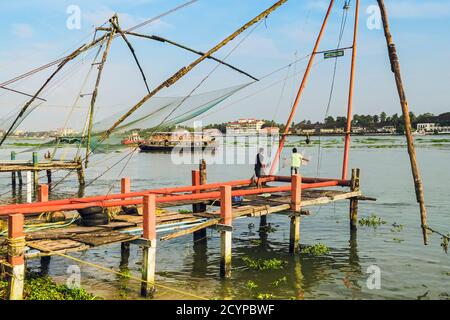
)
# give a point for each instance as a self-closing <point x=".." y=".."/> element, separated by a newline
<point x="350" y="95"/>
<point x="395" y="67"/>
<point x="164" y="40"/>
<point x="95" y="92"/>
<point x="185" y="70"/>
<point x="300" y="90"/>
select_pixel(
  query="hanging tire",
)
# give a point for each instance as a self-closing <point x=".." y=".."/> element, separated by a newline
<point x="96" y="216"/>
<point x="90" y="211"/>
<point x="94" y="222"/>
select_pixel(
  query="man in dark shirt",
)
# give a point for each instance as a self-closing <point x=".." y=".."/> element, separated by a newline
<point x="260" y="165"/>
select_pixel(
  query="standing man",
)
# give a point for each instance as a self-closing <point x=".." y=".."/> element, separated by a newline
<point x="260" y="166"/>
<point x="296" y="162"/>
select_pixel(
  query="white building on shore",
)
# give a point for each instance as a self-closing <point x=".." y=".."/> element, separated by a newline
<point x="245" y="127"/>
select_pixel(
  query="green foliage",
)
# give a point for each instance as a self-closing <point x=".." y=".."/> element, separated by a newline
<point x="256" y="242"/>
<point x="372" y="221"/>
<point x="44" y="288"/>
<point x="397" y="227"/>
<point x="261" y="264"/>
<point x="264" y="296"/>
<point x="251" y="285"/>
<point x="269" y="228"/>
<point x="276" y="283"/>
<point x="184" y="211"/>
<point x="444" y="243"/>
<point x="317" y="249"/>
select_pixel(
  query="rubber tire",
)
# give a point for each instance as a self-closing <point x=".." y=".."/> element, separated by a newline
<point x="94" y="222"/>
<point x="90" y="211"/>
<point x="95" y="216"/>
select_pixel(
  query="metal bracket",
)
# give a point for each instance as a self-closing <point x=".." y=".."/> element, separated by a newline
<point x="223" y="227"/>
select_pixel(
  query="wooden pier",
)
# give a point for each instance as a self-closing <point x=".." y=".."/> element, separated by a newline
<point x="144" y="217"/>
<point x="34" y="167"/>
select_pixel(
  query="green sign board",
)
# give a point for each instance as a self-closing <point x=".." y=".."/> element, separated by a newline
<point x="333" y="54"/>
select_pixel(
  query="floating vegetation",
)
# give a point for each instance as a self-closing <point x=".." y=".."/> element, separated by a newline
<point x="276" y="283"/>
<point x="265" y="296"/>
<point x="269" y="228"/>
<point x="372" y="221"/>
<point x="317" y="249"/>
<point x="251" y="285"/>
<point x="256" y="242"/>
<point x="398" y="240"/>
<point x="262" y="264"/>
<point x="184" y="211"/>
<point x="44" y="288"/>
<point x="397" y="227"/>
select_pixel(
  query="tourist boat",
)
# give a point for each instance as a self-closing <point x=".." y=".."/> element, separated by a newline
<point x="133" y="140"/>
<point x="184" y="141"/>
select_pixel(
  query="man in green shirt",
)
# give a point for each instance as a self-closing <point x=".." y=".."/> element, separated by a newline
<point x="296" y="162"/>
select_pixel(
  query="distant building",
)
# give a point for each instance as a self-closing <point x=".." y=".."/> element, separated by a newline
<point x="212" y="132"/>
<point x="358" y="129"/>
<point x="426" y="127"/>
<point x="244" y="127"/>
<point x="387" y="129"/>
<point x="270" y="131"/>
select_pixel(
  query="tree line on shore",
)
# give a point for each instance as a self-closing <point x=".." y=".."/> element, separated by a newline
<point x="370" y="122"/>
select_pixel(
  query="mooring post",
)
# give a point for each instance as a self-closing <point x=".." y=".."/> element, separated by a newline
<point x="13" y="174"/>
<point x="354" y="186"/>
<point x="125" y="187"/>
<point x="16" y="247"/>
<point x="35" y="160"/>
<point x="149" y="256"/>
<point x="296" y="204"/>
<point x="28" y="189"/>
<point x="49" y="179"/>
<point x="43" y="193"/>
<point x="226" y="213"/>
<point x="19" y="173"/>
<point x="200" y="235"/>
<point x="80" y="173"/>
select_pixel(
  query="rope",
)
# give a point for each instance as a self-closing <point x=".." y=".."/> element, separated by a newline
<point x="94" y="265"/>
<point x="16" y="246"/>
<point x="333" y="81"/>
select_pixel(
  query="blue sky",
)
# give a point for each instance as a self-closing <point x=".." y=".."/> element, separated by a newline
<point x="35" y="32"/>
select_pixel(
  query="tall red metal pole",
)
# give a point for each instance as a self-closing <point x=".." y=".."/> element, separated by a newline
<point x="300" y="91"/>
<point x="348" y="128"/>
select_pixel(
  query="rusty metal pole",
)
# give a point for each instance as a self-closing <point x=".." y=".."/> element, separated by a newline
<point x="395" y="66"/>
<point x="350" y="95"/>
<point x="300" y="91"/>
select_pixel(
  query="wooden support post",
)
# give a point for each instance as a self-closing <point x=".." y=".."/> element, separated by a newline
<point x="80" y="173"/>
<point x="28" y="188"/>
<point x="19" y="173"/>
<point x="49" y="179"/>
<point x="45" y="265"/>
<point x="354" y="186"/>
<point x="16" y="246"/>
<point x="35" y="160"/>
<point x="124" y="255"/>
<point x="226" y="214"/>
<point x="13" y="174"/>
<point x="200" y="235"/>
<point x="296" y="201"/>
<point x="149" y="256"/>
<point x="395" y="68"/>
<point x="43" y="193"/>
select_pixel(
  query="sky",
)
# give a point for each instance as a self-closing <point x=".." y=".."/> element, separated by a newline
<point x="37" y="32"/>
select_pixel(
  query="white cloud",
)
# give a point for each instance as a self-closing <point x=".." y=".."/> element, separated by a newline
<point x="22" y="30"/>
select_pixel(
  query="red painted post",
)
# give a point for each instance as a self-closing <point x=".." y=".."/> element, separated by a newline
<point x="149" y="253"/>
<point x="125" y="185"/>
<point x="226" y="214"/>
<point x="16" y="246"/>
<point x="43" y="193"/>
<point x="296" y="193"/>
<point x="196" y="179"/>
<point x="149" y="209"/>
<point x="226" y="205"/>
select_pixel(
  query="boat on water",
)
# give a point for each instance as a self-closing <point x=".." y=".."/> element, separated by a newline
<point x="133" y="140"/>
<point x="183" y="141"/>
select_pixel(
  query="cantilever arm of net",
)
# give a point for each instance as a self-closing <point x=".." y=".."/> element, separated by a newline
<point x="122" y="33"/>
<point x="182" y="72"/>
<point x="164" y="40"/>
